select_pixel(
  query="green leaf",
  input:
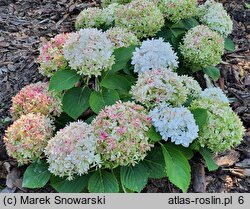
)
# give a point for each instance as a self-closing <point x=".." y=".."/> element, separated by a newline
<point x="177" y="167"/>
<point x="122" y="57"/>
<point x="134" y="178"/>
<point x="74" y="186"/>
<point x="63" y="80"/>
<point x="76" y="101"/>
<point x="229" y="45"/>
<point x="200" y="116"/>
<point x="36" y="175"/>
<point x="165" y="33"/>
<point x="103" y="182"/>
<point x="190" y="23"/>
<point x="116" y="81"/>
<point x="208" y="157"/>
<point x="62" y="121"/>
<point x="99" y="100"/>
<point x="186" y="151"/>
<point x="153" y="135"/>
<point x="247" y="5"/>
<point x="212" y="72"/>
<point x="155" y="163"/>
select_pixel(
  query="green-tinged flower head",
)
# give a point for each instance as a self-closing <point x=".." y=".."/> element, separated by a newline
<point x="105" y="3"/>
<point x="141" y="17"/>
<point x="27" y="137"/>
<point x="36" y="98"/>
<point x="159" y="85"/>
<point x="121" y="37"/>
<point x="95" y="17"/>
<point x="72" y="151"/>
<point x="216" y="17"/>
<point x="194" y="88"/>
<point x="121" y="130"/>
<point x="51" y="56"/>
<point x="223" y="130"/>
<point x="202" y="47"/>
<point x="89" y="52"/>
<point x="176" y="10"/>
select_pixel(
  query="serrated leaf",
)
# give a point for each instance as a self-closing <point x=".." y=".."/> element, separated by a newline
<point x="190" y="23"/>
<point x="76" y="101"/>
<point x="116" y="81"/>
<point x="65" y="186"/>
<point x="155" y="163"/>
<point x="103" y="182"/>
<point x="212" y="72"/>
<point x="177" y="167"/>
<point x="153" y="135"/>
<point x="99" y="100"/>
<point x="229" y="45"/>
<point x="122" y="57"/>
<point x="63" y="80"/>
<point x="36" y="175"/>
<point x="200" y="116"/>
<point x="208" y="157"/>
<point x="134" y="178"/>
<point x="186" y="151"/>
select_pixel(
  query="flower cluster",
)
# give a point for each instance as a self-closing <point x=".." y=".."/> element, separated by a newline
<point x="89" y="51"/>
<point x="202" y="46"/>
<point x="141" y="17"/>
<point x="121" y="130"/>
<point x="72" y="150"/>
<point x="159" y="85"/>
<point x="176" y="123"/>
<point x="27" y="137"/>
<point x="215" y="93"/>
<point x="120" y="37"/>
<point x="105" y="3"/>
<point x="51" y="55"/>
<point x="215" y="17"/>
<point x="36" y="98"/>
<point x="194" y="89"/>
<point x="96" y="17"/>
<point x="176" y="10"/>
<point x="154" y="54"/>
<point x="223" y="129"/>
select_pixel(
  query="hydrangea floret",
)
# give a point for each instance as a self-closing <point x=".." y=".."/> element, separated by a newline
<point x="51" y="55"/>
<point x="121" y="130"/>
<point x="223" y="130"/>
<point x="176" y="10"/>
<point x="72" y="151"/>
<point x="194" y="88"/>
<point x="216" y="17"/>
<point x="141" y="17"/>
<point x="202" y="47"/>
<point x="89" y="52"/>
<point x="121" y="37"/>
<point x="36" y="98"/>
<point x="176" y="123"/>
<point x="154" y="54"/>
<point x="27" y="137"/>
<point x="159" y="85"/>
<point x="215" y="93"/>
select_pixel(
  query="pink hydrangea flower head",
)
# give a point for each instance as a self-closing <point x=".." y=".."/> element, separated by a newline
<point x="27" y="137"/>
<point x="51" y="55"/>
<point x="36" y="98"/>
<point x="121" y="130"/>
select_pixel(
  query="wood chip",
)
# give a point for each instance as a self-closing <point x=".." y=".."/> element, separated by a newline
<point x="229" y="159"/>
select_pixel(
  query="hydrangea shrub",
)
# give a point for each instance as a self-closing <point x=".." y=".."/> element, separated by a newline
<point x="124" y="98"/>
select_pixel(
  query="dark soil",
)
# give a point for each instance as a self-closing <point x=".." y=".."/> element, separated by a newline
<point x="24" y="24"/>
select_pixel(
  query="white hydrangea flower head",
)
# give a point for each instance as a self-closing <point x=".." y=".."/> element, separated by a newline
<point x="159" y="85"/>
<point x="192" y="85"/>
<point x="72" y="151"/>
<point x="215" y="93"/>
<point x="105" y="3"/>
<point x="216" y="17"/>
<point x="176" y="123"/>
<point x="154" y="54"/>
<point x="121" y="37"/>
<point x="89" y="52"/>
